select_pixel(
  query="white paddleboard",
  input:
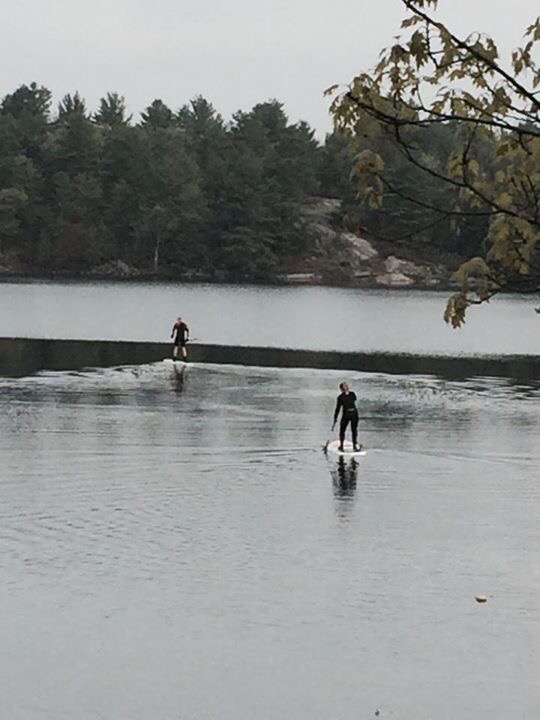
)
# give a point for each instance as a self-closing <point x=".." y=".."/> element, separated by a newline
<point x="347" y="451"/>
<point x="177" y="363"/>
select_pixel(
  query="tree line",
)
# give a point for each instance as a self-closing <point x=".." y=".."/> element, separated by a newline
<point x="187" y="192"/>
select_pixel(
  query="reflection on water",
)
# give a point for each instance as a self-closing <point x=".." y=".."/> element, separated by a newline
<point x="179" y="372"/>
<point x="344" y="476"/>
<point x="173" y="543"/>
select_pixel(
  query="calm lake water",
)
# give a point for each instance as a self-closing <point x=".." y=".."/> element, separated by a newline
<point x="315" y="318"/>
<point x="178" y="547"/>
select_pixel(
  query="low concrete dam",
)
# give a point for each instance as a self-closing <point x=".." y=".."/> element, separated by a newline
<point x="24" y="356"/>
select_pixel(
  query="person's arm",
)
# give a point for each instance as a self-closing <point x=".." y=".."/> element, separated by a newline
<point x="336" y="411"/>
<point x="173" y="329"/>
<point x="187" y="332"/>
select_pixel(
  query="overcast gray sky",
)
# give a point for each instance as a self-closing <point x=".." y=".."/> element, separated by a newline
<point x="236" y="53"/>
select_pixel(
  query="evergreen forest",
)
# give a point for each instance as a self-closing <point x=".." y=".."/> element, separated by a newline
<point x="185" y="193"/>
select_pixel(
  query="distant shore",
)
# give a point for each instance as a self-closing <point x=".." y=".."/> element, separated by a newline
<point x="298" y="280"/>
<point x="332" y="257"/>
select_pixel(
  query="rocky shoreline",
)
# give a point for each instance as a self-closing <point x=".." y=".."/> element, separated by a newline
<point x="345" y="258"/>
<point x="286" y="280"/>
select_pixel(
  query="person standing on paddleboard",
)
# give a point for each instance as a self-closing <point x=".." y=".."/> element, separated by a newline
<point x="180" y="332"/>
<point x="346" y="403"/>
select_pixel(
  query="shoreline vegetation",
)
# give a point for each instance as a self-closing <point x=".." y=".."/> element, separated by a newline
<point x="186" y="196"/>
<point x="305" y="280"/>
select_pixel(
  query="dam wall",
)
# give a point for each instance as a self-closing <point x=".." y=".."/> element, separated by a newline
<point x="24" y="356"/>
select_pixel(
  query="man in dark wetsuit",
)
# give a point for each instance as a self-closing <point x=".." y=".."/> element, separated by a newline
<point x="180" y="332"/>
<point x="346" y="402"/>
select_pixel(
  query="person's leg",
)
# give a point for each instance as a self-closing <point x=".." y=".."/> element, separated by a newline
<point x="175" y="351"/>
<point x="184" y="351"/>
<point x="354" y="431"/>
<point x="342" y="428"/>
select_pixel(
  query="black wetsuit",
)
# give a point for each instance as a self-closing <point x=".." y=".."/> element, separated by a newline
<point x="182" y="332"/>
<point x="346" y="402"/>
